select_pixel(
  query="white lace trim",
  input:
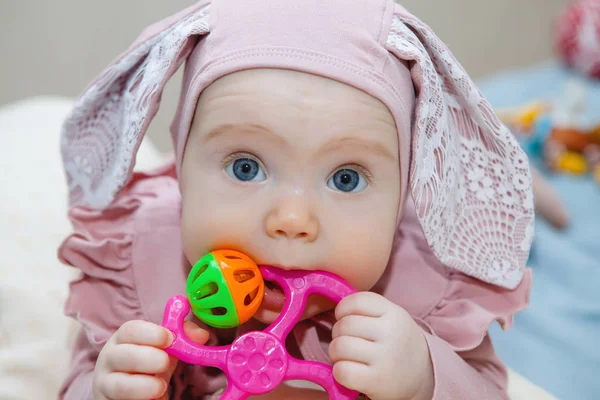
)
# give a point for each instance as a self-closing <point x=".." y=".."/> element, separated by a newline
<point x="102" y="134"/>
<point x="469" y="178"/>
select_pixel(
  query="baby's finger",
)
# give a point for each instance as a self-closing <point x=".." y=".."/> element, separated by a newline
<point x="367" y="304"/>
<point x="166" y="376"/>
<point x="349" y="348"/>
<point x="358" y="326"/>
<point x="144" y="333"/>
<point x="353" y="375"/>
<point x="195" y="333"/>
<point x="123" y="386"/>
<point x="135" y="358"/>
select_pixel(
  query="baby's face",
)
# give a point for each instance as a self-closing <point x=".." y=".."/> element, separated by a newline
<point x="295" y="170"/>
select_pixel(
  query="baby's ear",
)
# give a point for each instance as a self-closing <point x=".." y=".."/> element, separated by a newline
<point x="547" y="202"/>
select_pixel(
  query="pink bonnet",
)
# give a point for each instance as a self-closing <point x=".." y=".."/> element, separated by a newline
<point x="466" y="174"/>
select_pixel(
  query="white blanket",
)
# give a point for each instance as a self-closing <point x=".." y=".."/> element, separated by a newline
<point x="34" y="335"/>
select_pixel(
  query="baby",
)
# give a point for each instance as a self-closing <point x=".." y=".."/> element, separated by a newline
<point x="315" y="135"/>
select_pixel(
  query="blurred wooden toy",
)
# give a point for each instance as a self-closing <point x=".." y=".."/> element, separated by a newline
<point x="557" y="133"/>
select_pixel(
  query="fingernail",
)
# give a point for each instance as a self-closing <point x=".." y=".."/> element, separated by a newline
<point x="170" y="337"/>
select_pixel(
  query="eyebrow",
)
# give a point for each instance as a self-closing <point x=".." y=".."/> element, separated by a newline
<point x="335" y="143"/>
<point x="372" y="146"/>
<point x="249" y="129"/>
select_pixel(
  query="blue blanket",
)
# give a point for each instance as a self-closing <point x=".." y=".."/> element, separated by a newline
<point x="555" y="343"/>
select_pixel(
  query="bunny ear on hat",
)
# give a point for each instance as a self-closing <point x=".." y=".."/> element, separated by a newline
<point x="469" y="178"/>
<point x="106" y="126"/>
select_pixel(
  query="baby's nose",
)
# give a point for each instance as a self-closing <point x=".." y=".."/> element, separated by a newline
<point x="292" y="219"/>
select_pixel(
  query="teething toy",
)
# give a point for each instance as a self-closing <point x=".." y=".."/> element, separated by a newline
<point x="225" y="288"/>
<point x="257" y="361"/>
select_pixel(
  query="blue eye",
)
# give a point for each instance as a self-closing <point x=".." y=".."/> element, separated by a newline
<point x="348" y="181"/>
<point x="245" y="170"/>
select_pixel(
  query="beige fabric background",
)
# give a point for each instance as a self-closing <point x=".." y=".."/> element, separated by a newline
<point x="57" y="47"/>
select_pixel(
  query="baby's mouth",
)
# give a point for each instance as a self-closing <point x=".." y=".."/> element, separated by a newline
<point x="271" y="305"/>
<point x="274" y="298"/>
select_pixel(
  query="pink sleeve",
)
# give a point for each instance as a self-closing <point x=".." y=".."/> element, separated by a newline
<point x="104" y="295"/>
<point x="476" y="374"/>
<point x="465" y="364"/>
<point x="113" y="251"/>
<point x="78" y="384"/>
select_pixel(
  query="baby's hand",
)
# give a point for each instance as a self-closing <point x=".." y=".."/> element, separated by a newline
<point x="378" y="349"/>
<point x="133" y="365"/>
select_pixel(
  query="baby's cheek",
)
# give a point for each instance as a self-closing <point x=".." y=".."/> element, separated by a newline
<point x="212" y="227"/>
<point x="361" y="258"/>
<point x="195" y="232"/>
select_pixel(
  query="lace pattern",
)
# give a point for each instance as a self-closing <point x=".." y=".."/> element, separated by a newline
<point x="469" y="178"/>
<point x="103" y="132"/>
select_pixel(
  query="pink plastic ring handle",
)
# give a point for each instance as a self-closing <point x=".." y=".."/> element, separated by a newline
<point x="297" y="286"/>
<point x="257" y="362"/>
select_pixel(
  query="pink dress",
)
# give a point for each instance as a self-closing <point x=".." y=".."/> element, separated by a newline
<point x="131" y="260"/>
